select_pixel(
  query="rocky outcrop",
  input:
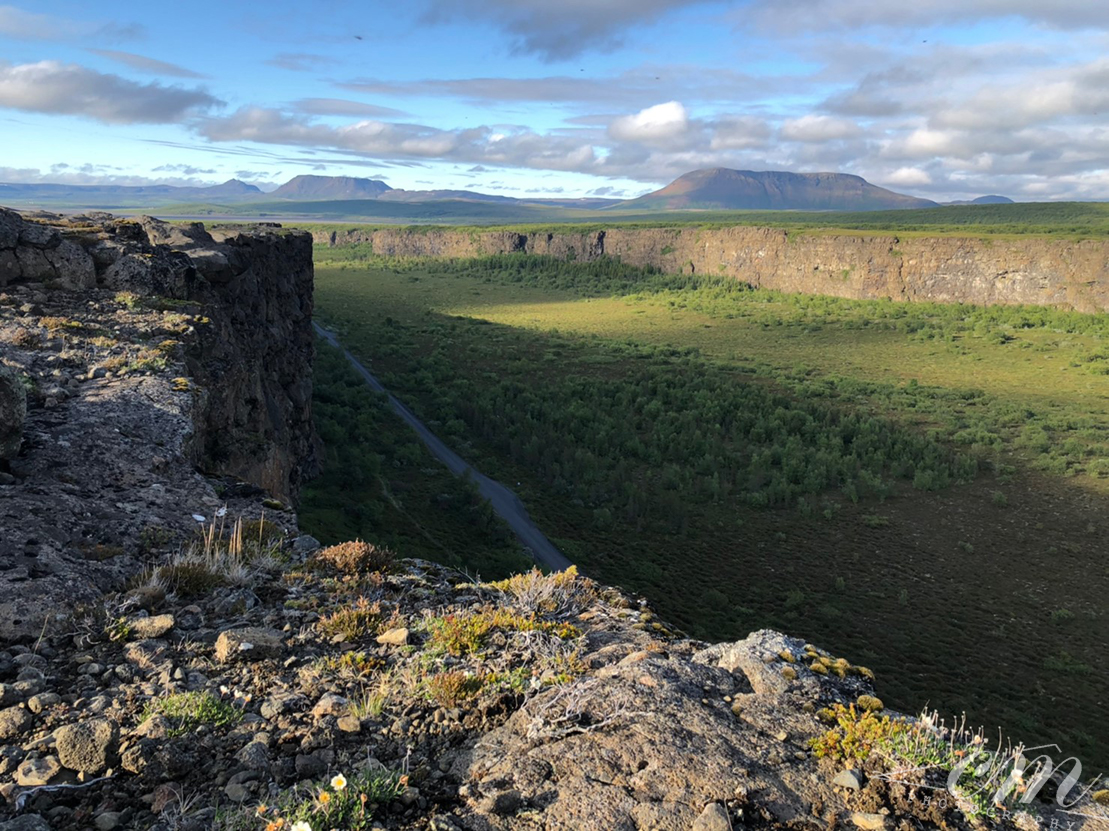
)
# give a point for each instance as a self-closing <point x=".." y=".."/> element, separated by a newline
<point x="532" y="704"/>
<point x="182" y="366"/>
<point x="1045" y="272"/>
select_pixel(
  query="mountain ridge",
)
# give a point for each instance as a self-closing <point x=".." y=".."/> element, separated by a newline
<point x="710" y="188"/>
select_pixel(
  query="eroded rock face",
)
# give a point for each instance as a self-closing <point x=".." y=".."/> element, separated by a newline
<point x="1064" y="273"/>
<point x="146" y="372"/>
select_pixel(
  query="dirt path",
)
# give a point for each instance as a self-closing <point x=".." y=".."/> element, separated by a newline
<point x="507" y="505"/>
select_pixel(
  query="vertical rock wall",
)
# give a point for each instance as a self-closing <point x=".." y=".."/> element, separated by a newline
<point x="1034" y="271"/>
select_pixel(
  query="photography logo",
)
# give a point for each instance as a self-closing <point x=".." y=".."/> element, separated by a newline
<point x="1014" y="780"/>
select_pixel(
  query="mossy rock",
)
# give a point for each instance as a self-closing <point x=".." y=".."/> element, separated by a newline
<point x="1101" y="797"/>
<point x="870" y="703"/>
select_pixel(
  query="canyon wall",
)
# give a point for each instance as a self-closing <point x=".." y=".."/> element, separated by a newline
<point x="1003" y="270"/>
<point x="152" y="377"/>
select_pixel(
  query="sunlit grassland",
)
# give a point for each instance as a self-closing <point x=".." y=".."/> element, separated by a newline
<point x="1037" y="375"/>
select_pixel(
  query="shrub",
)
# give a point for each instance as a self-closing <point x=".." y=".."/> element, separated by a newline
<point x="349" y="664"/>
<point x="465" y="634"/>
<point x="359" y="619"/>
<point x="856" y="735"/>
<point x="450" y="688"/>
<point x="356" y="557"/>
<point x="552" y="594"/>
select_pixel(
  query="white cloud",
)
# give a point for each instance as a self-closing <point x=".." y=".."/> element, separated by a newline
<point x="515" y="147"/>
<point x="150" y="66"/>
<point x="68" y="89"/>
<point x="662" y="123"/>
<point x="907" y="177"/>
<point x="819" y="128"/>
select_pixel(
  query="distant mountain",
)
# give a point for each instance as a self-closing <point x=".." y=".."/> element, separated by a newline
<point x="232" y="187"/>
<point x="401" y="195"/>
<point x="984" y="200"/>
<point x="720" y="188"/>
<point x="120" y="196"/>
<point x="330" y="187"/>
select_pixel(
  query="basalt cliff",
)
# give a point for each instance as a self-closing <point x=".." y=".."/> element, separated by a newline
<point x="1044" y="272"/>
<point x="175" y="654"/>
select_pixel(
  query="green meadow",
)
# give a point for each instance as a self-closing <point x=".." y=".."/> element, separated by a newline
<point x="920" y="488"/>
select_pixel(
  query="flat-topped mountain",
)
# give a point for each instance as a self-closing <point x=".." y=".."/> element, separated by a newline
<point x="330" y="187"/>
<point x="721" y="188"/>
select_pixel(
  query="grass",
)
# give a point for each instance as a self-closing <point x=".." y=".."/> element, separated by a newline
<point x="381" y="484"/>
<point x="189" y="710"/>
<point x="1056" y="219"/>
<point x="637" y="477"/>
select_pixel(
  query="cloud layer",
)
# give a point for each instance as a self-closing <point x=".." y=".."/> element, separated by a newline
<point x="1012" y="101"/>
<point x="68" y="89"/>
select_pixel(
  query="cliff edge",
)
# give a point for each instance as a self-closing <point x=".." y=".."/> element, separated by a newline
<point x="1070" y="274"/>
<point x="137" y="357"/>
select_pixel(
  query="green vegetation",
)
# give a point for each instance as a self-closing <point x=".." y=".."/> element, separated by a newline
<point x="729" y="453"/>
<point x="857" y="734"/>
<point x="1060" y="219"/>
<point x="381" y="484"/>
<point x="188" y="710"/>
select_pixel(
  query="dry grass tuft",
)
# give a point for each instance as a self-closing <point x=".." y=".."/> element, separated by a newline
<point x="356" y="557"/>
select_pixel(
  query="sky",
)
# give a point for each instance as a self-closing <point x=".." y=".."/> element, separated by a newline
<point x="945" y="99"/>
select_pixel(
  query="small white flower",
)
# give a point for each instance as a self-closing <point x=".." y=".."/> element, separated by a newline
<point x="338" y="782"/>
<point x="301" y="826"/>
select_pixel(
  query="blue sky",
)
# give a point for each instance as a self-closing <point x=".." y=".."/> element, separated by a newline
<point x="938" y="98"/>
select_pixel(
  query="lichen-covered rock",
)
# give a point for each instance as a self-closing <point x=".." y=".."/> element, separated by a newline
<point x="87" y="746"/>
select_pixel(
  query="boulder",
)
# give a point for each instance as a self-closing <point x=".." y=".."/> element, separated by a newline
<point x="34" y="772"/>
<point x="87" y="746"/>
<point x="249" y="644"/>
<point x="14" y="721"/>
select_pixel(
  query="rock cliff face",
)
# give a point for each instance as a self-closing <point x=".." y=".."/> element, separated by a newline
<point x="141" y="354"/>
<point x="1041" y="272"/>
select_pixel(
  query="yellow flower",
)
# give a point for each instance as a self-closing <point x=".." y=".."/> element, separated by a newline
<point x="324" y="797"/>
<point x="261" y="809"/>
<point x="338" y="782"/>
